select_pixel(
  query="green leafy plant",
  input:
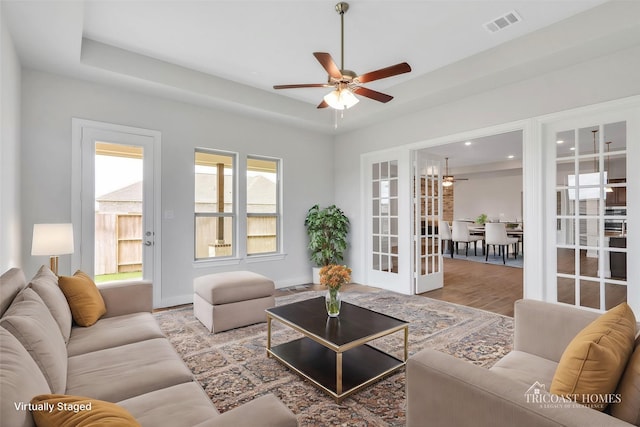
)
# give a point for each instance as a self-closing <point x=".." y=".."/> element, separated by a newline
<point x="481" y="219"/>
<point x="327" y="230"/>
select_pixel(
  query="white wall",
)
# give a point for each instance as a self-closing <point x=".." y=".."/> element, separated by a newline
<point x="10" y="218"/>
<point x="600" y="79"/>
<point x="49" y="104"/>
<point x="497" y="196"/>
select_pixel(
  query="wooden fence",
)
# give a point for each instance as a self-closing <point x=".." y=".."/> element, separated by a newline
<point x="118" y="243"/>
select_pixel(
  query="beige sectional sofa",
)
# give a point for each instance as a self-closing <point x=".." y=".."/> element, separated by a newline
<point x="446" y="391"/>
<point x="124" y="358"/>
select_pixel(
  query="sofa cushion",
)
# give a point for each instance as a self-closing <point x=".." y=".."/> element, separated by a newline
<point x="21" y="379"/>
<point x="182" y="405"/>
<point x="11" y="283"/>
<point x="628" y="409"/>
<point x="113" y="332"/>
<point x="84" y="298"/>
<point x="30" y="321"/>
<point x="45" y="283"/>
<point x="60" y="410"/>
<point x="594" y="360"/>
<point x="525" y="368"/>
<point x="119" y="373"/>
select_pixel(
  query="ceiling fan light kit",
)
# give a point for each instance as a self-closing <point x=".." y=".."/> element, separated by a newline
<point x="448" y="180"/>
<point x="341" y="99"/>
<point x="346" y="83"/>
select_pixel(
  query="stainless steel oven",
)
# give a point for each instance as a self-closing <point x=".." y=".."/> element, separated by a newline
<point x="613" y="223"/>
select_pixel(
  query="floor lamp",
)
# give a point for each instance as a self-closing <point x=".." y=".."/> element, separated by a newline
<point x="52" y="240"/>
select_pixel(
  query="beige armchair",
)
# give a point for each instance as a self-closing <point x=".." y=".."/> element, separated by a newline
<point x="445" y="391"/>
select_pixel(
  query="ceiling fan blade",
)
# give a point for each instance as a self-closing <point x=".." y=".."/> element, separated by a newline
<point x="383" y="73"/>
<point x="302" y="85"/>
<point x="328" y="64"/>
<point x="323" y="104"/>
<point x="375" y="95"/>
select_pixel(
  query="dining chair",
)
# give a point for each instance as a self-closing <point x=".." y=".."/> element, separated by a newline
<point x="495" y="234"/>
<point x="460" y="234"/>
<point x="445" y="236"/>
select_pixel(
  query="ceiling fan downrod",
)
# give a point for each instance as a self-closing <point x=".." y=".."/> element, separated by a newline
<point x="342" y="8"/>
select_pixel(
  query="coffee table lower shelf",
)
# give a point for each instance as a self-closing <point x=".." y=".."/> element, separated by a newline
<point x="361" y="366"/>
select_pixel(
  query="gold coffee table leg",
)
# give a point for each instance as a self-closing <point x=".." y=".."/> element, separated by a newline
<point x="406" y="343"/>
<point x="339" y="373"/>
<point x="268" y="335"/>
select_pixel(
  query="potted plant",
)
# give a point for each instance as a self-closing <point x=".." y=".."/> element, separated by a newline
<point x="327" y="230"/>
<point x="482" y="219"/>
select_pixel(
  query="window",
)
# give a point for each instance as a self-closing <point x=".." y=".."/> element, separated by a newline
<point x="219" y="218"/>
<point x="215" y="208"/>
<point x="263" y="205"/>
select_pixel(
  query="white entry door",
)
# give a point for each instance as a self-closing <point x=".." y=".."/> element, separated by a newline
<point x="427" y="215"/>
<point x="387" y="218"/>
<point x="118" y="222"/>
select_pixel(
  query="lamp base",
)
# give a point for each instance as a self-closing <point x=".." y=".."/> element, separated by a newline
<point x="53" y="262"/>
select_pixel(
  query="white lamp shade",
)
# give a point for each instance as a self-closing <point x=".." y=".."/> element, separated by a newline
<point x="341" y="99"/>
<point x="52" y="239"/>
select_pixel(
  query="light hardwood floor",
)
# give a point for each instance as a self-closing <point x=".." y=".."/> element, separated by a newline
<point x="489" y="287"/>
<point x="496" y="288"/>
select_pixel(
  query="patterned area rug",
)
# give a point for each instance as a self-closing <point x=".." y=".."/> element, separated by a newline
<point x="233" y="367"/>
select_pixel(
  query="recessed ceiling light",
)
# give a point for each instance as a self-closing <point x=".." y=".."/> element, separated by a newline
<point x="559" y="141"/>
<point x="572" y="148"/>
<point x="467" y="143"/>
<point x="510" y="156"/>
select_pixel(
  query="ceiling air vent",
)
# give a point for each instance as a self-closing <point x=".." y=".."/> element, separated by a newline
<point x="502" y="22"/>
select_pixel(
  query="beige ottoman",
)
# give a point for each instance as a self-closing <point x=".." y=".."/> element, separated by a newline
<point x="230" y="300"/>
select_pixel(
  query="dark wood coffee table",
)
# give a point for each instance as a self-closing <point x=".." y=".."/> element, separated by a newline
<point x="333" y="353"/>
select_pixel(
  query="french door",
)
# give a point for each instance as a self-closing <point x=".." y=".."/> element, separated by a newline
<point x="118" y="220"/>
<point x="427" y="215"/>
<point x="387" y="230"/>
<point x="593" y="200"/>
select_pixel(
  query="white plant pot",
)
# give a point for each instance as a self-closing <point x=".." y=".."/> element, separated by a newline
<point x="315" y="275"/>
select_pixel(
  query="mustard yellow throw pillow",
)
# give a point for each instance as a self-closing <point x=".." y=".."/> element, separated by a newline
<point x="593" y="362"/>
<point x="83" y="296"/>
<point x="59" y="410"/>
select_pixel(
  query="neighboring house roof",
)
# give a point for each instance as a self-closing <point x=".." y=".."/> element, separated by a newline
<point x="130" y="193"/>
<point x="262" y="190"/>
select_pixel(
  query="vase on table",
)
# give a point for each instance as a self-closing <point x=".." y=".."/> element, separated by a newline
<point x="333" y="300"/>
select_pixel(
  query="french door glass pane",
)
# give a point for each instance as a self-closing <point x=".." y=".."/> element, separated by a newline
<point x="591" y="215"/>
<point x="384" y="192"/>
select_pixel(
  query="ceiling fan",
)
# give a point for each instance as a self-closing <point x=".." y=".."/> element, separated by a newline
<point x="346" y="83"/>
<point x="448" y="180"/>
